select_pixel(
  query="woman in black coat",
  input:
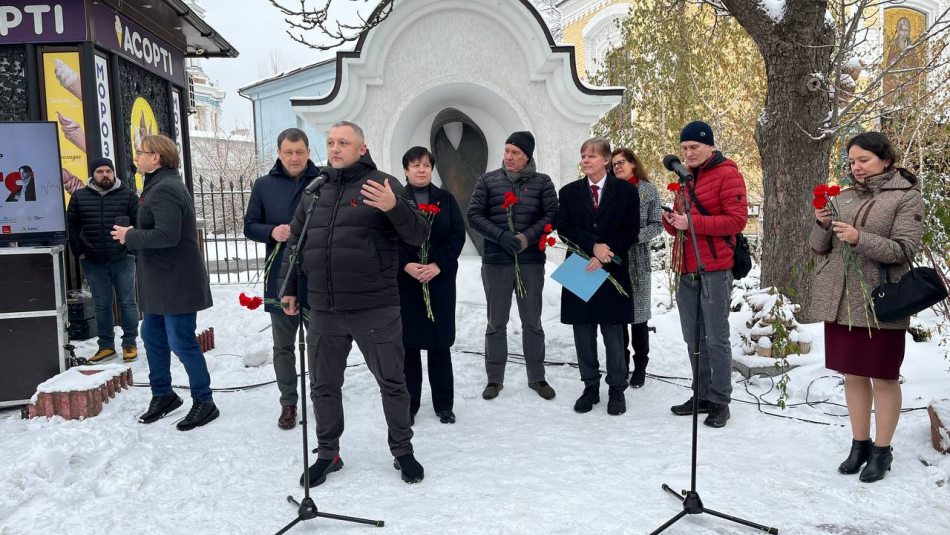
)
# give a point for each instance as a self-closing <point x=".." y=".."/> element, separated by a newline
<point x="419" y="332"/>
<point x="601" y="215"/>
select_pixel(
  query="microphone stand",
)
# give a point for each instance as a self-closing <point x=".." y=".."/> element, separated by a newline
<point x="692" y="503"/>
<point x="306" y="508"/>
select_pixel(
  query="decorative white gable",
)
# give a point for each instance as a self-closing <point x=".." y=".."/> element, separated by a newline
<point x="493" y="60"/>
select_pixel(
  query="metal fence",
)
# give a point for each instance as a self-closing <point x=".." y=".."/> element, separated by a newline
<point x="220" y="205"/>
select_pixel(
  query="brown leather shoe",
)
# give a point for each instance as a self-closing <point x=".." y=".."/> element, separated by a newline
<point x="288" y="417"/>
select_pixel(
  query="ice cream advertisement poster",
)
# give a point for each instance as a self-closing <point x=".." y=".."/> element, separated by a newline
<point x="64" y="106"/>
<point x="31" y="194"/>
<point x="143" y="123"/>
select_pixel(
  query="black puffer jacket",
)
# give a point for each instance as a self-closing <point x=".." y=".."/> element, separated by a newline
<point x="90" y="217"/>
<point x="351" y="253"/>
<point x="537" y="206"/>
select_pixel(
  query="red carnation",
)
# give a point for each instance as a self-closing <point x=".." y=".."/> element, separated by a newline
<point x="819" y="202"/>
<point x="510" y="200"/>
<point x="833" y="191"/>
<point x="548" y="228"/>
<point x="673" y="186"/>
<point x="820" y="190"/>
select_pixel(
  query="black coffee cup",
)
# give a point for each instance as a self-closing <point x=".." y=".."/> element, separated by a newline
<point x="123" y="221"/>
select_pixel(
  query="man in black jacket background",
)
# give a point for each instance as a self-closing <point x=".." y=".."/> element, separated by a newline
<point x="106" y="263"/>
<point x="274" y="198"/>
<point x="351" y="259"/>
<point x="537" y="206"/>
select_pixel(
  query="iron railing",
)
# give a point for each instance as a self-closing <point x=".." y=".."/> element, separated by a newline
<point x="229" y="255"/>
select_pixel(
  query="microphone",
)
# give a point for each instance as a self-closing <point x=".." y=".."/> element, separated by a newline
<point x="321" y="179"/>
<point x="672" y="163"/>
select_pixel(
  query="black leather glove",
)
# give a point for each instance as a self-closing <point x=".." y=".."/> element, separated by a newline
<point x="510" y="243"/>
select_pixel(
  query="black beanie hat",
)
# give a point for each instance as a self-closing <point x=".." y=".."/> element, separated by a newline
<point x="99" y="162"/>
<point x="524" y="141"/>
<point x="698" y="131"/>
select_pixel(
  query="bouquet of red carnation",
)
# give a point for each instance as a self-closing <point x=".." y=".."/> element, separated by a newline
<point x="679" y="243"/>
<point x="429" y="211"/>
<point x="548" y="239"/>
<point x="510" y="200"/>
<point x="823" y="195"/>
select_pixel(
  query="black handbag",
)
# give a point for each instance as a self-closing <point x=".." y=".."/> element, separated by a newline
<point x="919" y="289"/>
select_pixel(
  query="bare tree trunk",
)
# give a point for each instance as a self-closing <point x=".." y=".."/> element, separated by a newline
<point x="793" y="161"/>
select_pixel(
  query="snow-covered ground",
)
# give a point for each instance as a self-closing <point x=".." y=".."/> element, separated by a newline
<point x="517" y="464"/>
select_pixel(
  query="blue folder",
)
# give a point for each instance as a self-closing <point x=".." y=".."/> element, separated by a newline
<point x="573" y="275"/>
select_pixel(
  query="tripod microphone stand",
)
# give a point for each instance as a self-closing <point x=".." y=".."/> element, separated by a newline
<point x="692" y="503"/>
<point x="306" y="508"/>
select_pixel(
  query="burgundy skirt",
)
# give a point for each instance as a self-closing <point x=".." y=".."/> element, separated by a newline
<point x="853" y="351"/>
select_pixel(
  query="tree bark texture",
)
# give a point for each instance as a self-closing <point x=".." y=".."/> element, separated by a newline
<point x="794" y="160"/>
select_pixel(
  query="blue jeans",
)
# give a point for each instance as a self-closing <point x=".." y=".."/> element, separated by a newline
<point x="164" y="333"/>
<point x="103" y="278"/>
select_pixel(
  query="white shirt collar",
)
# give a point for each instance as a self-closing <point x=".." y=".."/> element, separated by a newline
<point x="601" y="184"/>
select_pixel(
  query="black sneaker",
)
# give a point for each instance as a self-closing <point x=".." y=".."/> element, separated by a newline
<point x="588" y="399"/>
<point x="687" y="408"/>
<point x="491" y="391"/>
<point x="159" y="407"/>
<point x="411" y="470"/>
<point x="201" y="413"/>
<point x="718" y="415"/>
<point x="616" y="404"/>
<point x="319" y="470"/>
<point x="543" y="389"/>
<point x="446" y="417"/>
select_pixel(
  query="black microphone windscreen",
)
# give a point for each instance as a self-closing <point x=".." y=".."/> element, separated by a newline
<point x="669" y="160"/>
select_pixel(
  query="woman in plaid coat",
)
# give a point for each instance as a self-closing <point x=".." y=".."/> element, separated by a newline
<point x="628" y="167"/>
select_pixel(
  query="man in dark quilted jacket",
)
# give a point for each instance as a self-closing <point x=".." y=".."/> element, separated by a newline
<point x="106" y="264"/>
<point x="719" y="209"/>
<point x="535" y="208"/>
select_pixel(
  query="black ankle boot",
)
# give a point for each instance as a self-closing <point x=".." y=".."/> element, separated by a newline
<point x="860" y="453"/>
<point x="878" y="464"/>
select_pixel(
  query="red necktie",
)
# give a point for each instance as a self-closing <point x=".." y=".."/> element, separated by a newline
<point x="595" y="195"/>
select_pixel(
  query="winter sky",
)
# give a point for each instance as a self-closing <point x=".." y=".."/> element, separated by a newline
<point x="258" y="31"/>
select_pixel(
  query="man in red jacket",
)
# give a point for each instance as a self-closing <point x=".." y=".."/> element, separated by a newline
<point x="718" y="207"/>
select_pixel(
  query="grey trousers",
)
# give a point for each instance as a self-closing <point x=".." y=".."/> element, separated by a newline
<point x="378" y="333"/>
<point x="715" y="356"/>
<point x="585" y="342"/>
<point x="283" y="328"/>
<point x="499" y="283"/>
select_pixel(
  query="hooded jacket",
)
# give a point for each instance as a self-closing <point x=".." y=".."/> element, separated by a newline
<point x="90" y="216"/>
<point x="351" y="249"/>
<point x="886" y="209"/>
<point x="720" y="188"/>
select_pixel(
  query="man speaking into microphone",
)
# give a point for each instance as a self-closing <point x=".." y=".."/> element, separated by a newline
<point x="719" y="209"/>
<point x="350" y="256"/>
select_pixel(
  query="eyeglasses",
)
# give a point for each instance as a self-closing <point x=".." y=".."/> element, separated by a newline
<point x="619" y="163"/>
<point x="144" y="152"/>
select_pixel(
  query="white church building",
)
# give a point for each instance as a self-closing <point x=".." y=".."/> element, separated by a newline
<point x="467" y="71"/>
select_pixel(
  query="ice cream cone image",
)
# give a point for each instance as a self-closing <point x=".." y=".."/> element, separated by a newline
<point x="72" y="131"/>
<point x="118" y="30"/>
<point x="68" y="78"/>
<point x="71" y="182"/>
